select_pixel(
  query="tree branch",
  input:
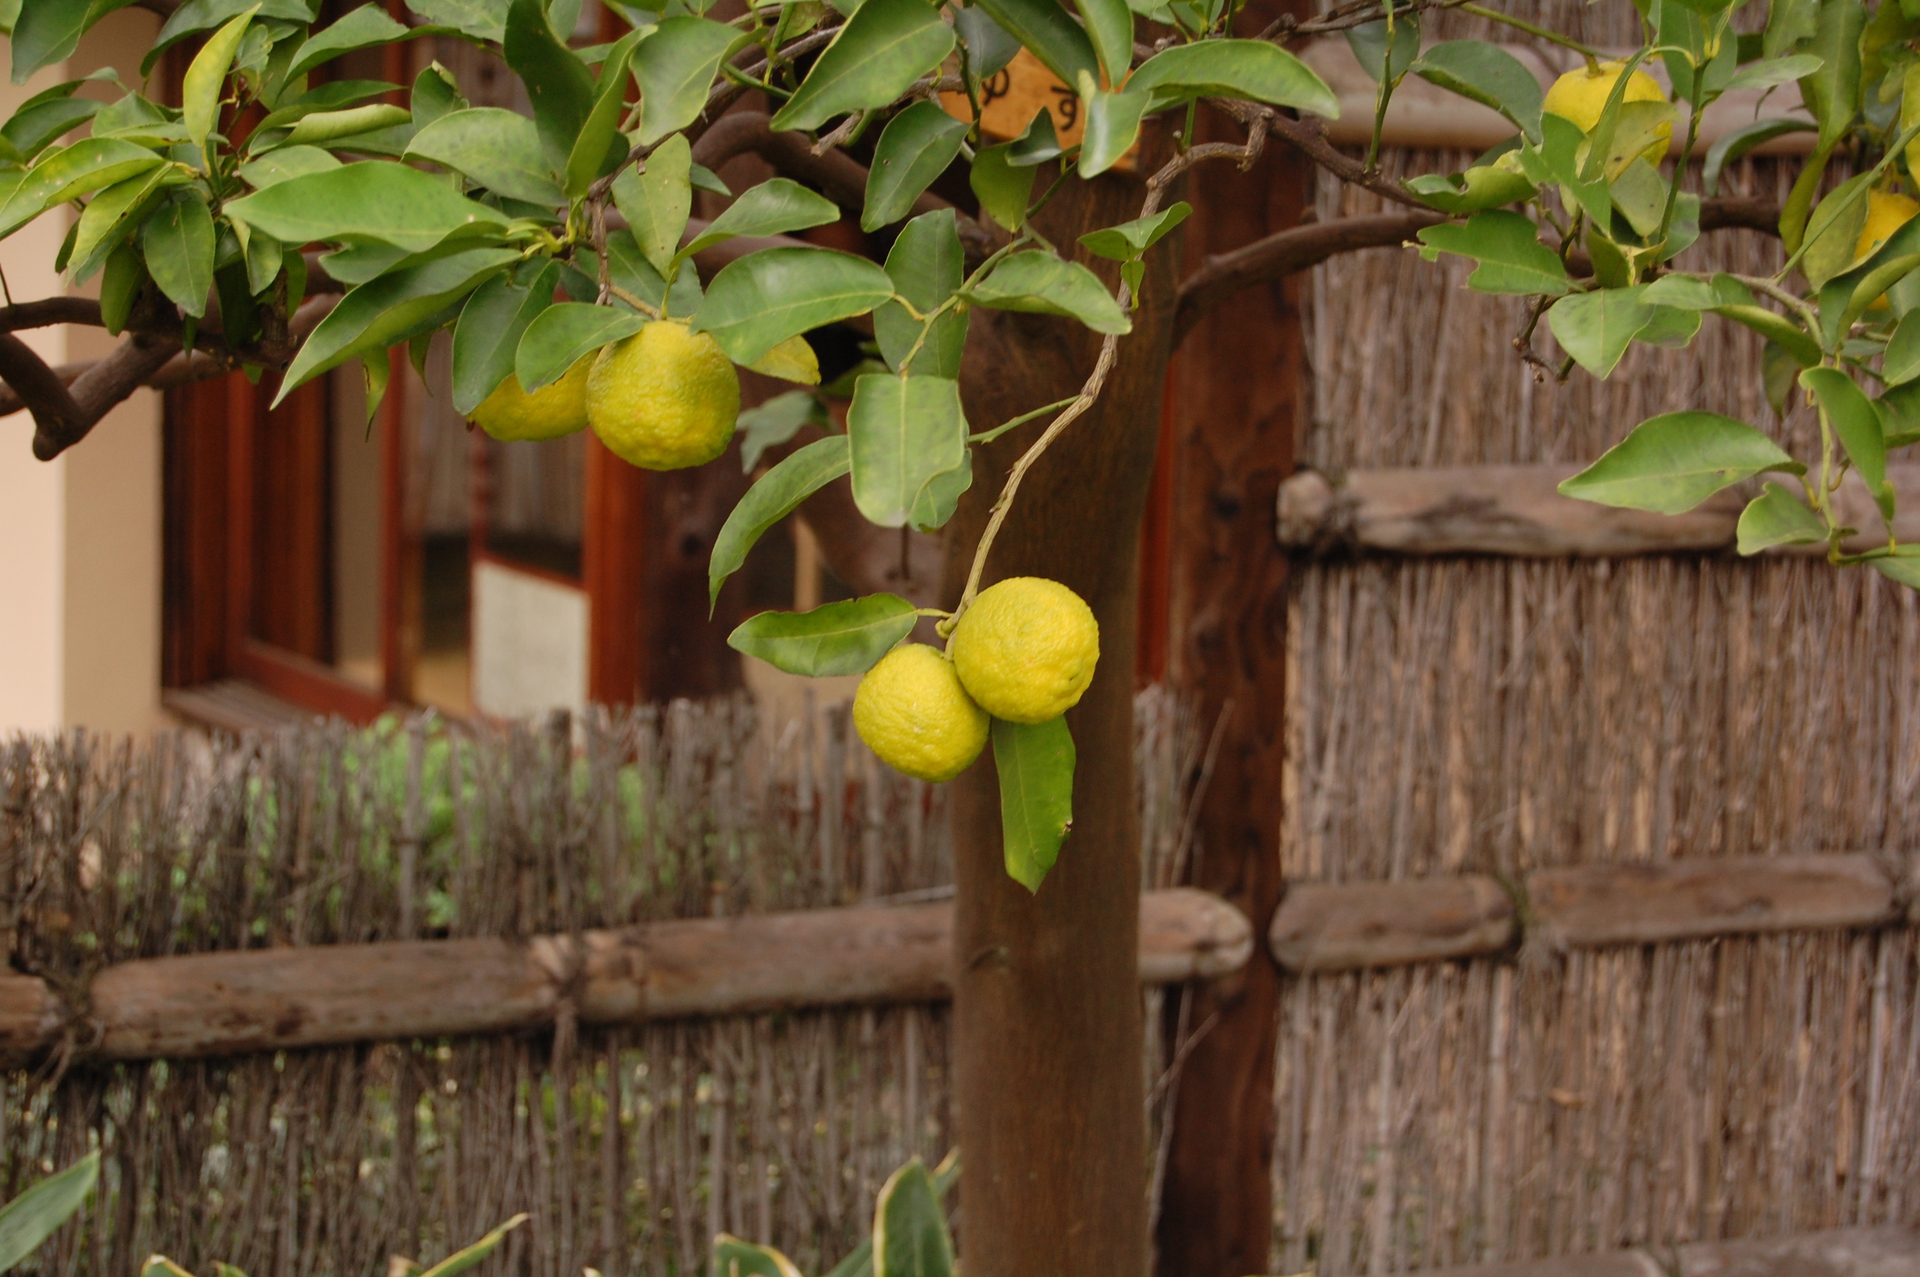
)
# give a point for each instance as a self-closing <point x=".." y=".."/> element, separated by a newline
<point x="95" y="393"/>
<point x="39" y="388"/>
<point x="49" y="311"/>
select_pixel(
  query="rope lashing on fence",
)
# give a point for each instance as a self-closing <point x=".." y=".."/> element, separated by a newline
<point x="242" y="1001"/>
<point x="1349" y="926"/>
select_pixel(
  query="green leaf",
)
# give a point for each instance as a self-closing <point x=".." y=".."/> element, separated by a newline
<point x="1788" y="23"/>
<point x="1038" y="144"/>
<point x="200" y="90"/>
<point x="926" y="265"/>
<point x="600" y="147"/>
<point x="1834" y="231"/>
<point x="196" y="16"/>
<point x="774" y="207"/>
<point x="1506" y="245"/>
<point x="1832" y="93"/>
<point x="385" y="311"/>
<point x="362" y="203"/>
<point x="286" y="162"/>
<point x="1673" y="462"/>
<point x="1488" y="75"/>
<point x="1109" y="25"/>
<point x="461" y="1260"/>
<point x="487" y="337"/>
<point x="1852" y="416"/>
<point x="265" y="256"/>
<point x="1769" y="72"/>
<point x="481" y="20"/>
<point x="1596" y="328"/>
<point x="764" y="298"/>
<point x="112" y="213"/>
<point x="989" y="47"/>
<point x="1035" y="762"/>
<point x="366" y="27"/>
<point x="656" y="200"/>
<point x="837" y="638"/>
<point x="1055" y="38"/>
<point x="904" y="433"/>
<point x="1113" y="125"/>
<point x="774" y="422"/>
<point x="497" y="148"/>
<point x="1132" y="239"/>
<point x="876" y="57"/>
<point x="32" y="1217"/>
<point x="320" y="127"/>
<point x="1778" y="517"/>
<point x="909" y="1226"/>
<point x="1481" y="187"/>
<point x="777" y="495"/>
<point x="48" y="31"/>
<point x="675" y="66"/>
<point x="177" y="242"/>
<point x="735" y="1258"/>
<point x="941" y="497"/>
<point x="1901" y="566"/>
<point x="1040" y="283"/>
<point x="1386" y="55"/>
<point x="31" y="128"/>
<point x="1731" y="146"/>
<point x="915" y="148"/>
<point x="89" y="165"/>
<point x="1002" y="188"/>
<point x="1252" y="69"/>
<point x="1558" y="158"/>
<point x="120" y="283"/>
<point x="1902" y="363"/>
<point x="558" y="83"/>
<point x="562" y="334"/>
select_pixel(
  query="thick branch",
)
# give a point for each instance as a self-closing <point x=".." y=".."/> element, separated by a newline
<point x="39" y="388"/>
<point x="1740" y="214"/>
<point x="48" y="311"/>
<point x="96" y="391"/>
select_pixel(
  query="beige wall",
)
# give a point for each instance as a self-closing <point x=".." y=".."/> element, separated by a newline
<point x="80" y="572"/>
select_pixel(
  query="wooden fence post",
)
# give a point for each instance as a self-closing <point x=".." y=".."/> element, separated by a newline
<point x="1236" y="405"/>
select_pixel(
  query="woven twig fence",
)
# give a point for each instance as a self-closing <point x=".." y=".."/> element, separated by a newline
<point x="630" y="1146"/>
<point x="1497" y="716"/>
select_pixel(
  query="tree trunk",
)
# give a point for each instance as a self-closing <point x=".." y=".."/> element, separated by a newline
<point x="1047" y="1029"/>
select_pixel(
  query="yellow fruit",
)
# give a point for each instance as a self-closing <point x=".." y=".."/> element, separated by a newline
<point x="1026" y="649"/>
<point x="559" y="408"/>
<point x="665" y="398"/>
<point x="1581" y="95"/>
<point x="913" y="714"/>
<point x="1886" y="213"/>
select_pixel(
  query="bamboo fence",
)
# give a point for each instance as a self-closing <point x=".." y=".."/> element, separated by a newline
<point x="630" y="1145"/>
<point x="1499" y="716"/>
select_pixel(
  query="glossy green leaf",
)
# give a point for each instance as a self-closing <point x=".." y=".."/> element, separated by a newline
<point x="915" y="148"/>
<point x="1133" y="239"/>
<point x="1511" y="257"/>
<point x="31" y="1218"/>
<point x="558" y="82"/>
<point x="1729" y="147"/>
<point x="1109" y="25"/>
<point x="1671" y="463"/>
<point x="390" y="309"/>
<point x="1853" y="419"/>
<point x="1113" y="126"/>
<point x="909" y="1225"/>
<point x="762" y="299"/>
<point x="941" y="497"/>
<point x="1832" y="93"/>
<point x="1386" y="55"/>
<point x="1788" y="335"/>
<point x="563" y="333"/>
<point x="1596" y="328"/>
<point x="1902" y="363"/>
<point x="926" y="264"/>
<point x="1038" y="144"/>
<point x="322" y="127"/>
<point x="876" y="57"/>
<point x="111" y="214"/>
<point x="989" y="46"/>
<point x="1481" y="187"/>
<point x="265" y="256"/>
<point x="859" y="1261"/>
<point x="497" y="148"/>
<point x="656" y="199"/>
<point x="600" y="147"/>
<point x="196" y="16"/>
<point x="484" y="20"/>
<point x="366" y="27"/>
<point x="487" y="338"/>
<point x="675" y="66"/>
<point x="904" y="432"/>
<point x="1002" y="188"/>
<point x="1041" y="283"/>
<point x="1035" y="762"/>
<point x="89" y="165"/>
<point x="1045" y="28"/>
<point x="466" y="1258"/>
<point x="120" y="283"/>
<point x="200" y="89"/>
<point x="286" y="162"/>
<point x="1558" y="159"/>
<point x="48" y="31"/>
<point x="776" y="421"/>
<point x="177" y="242"/>
<point x="359" y="203"/>
<point x="773" y="207"/>
<point x="777" y="495"/>
<point x="735" y="1258"/>
<point x="632" y="273"/>
<point x="1902" y="566"/>
<point x="1778" y="517"/>
<point x="837" y="638"/>
<point x="1788" y="23"/>
<point x="32" y="128"/>
<point x="1769" y="72"/>
<point x="1254" y="69"/>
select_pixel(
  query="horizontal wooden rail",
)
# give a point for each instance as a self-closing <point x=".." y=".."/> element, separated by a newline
<point x="268" y="999"/>
<point x="1517" y="510"/>
<point x="1841" y="1252"/>
<point x="1348" y="926"/>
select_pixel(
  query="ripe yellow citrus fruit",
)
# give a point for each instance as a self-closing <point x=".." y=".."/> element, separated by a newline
<point x="913" y="714"/>
<point x="560" y="408"/>
<point x="1887" y="212"/>
<point x="1581" y="95"/>
<point x="1026" y="649"/>
<point x="665" y="398"/>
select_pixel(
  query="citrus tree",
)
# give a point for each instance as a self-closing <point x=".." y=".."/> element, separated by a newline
<point x="282" y="221"/>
